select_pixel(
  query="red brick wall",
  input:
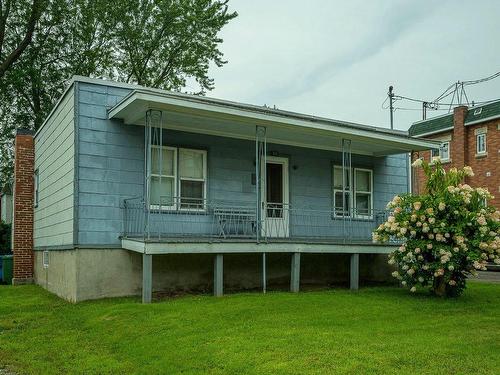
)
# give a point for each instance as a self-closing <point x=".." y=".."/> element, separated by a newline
<point x="459" y="149"/>
<point x="463" y="152"/>
<point x="486" y="168"/>
<point x="23" y="207"/>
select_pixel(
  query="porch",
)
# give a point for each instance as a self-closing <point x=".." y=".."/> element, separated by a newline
<point x="222" y="177"/>
<point x="221" y="227"/>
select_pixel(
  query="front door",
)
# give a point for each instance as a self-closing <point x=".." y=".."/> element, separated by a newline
<point x="275" y="199"/>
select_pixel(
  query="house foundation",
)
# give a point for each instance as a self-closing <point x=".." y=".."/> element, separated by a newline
<point x="83" y="274"/>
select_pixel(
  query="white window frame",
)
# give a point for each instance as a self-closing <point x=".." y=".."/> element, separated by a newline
<point x="356" y="191"/>
<point x="174" y="176"/>
<point x="478" y="136"/>
<point x="440" y="152"/>
<point x="336" y="190"/>
<point x="36" y="188"/>
<point x="204" y="180"/>
<point x="45" y="259"/>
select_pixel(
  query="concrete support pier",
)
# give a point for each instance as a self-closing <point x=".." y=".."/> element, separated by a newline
<point x="295" y="273"/>
<point x="218" y="275"/>
<point x="264" y="275"/>
<point x="354" y="272"/>
<point x="147" y="278"/>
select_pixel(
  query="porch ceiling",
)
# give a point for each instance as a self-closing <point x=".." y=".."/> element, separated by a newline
<point x="229" y="119"/>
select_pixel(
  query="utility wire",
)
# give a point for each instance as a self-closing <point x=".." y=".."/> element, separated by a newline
<point x="481" y="80"/>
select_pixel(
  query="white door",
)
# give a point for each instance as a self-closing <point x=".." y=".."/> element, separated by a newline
<point x="275" y="204"/>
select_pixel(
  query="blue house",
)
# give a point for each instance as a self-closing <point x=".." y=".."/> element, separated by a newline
<point x="138" y="189"/>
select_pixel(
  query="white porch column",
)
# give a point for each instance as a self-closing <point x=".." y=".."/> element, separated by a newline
<point x="354" y="272"/>
<point x="295" y="273"/>
<point x="147" y="278"/>
<point x="218" y="275"/>
<point x="260" y="177"/>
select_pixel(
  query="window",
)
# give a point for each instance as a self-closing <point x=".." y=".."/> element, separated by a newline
<point x="481" y="143"/>
<point x="35" y="188"/>
<point x="363" y="193"/>
<point x="360" y="195"/>
<point x="178" y="170"/>
<point x="45" y="259"/>
<point x="192" y="174"/>
<point x="163" y="176"/>
<point x="338" y="192"/>
<point x="443" y="151"/>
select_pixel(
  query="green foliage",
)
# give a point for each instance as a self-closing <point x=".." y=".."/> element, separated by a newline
<point x="448" y="232"/>
<point x="157" y="43"/>
<point x="5" y="238"/>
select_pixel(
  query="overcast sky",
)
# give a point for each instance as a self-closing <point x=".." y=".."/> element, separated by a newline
<point x="337" y="58"/>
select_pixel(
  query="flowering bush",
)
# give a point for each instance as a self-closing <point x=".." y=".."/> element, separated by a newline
<point x="448" y="233"/>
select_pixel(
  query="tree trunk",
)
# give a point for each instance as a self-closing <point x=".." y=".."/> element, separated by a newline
<point x="439" y="286"/>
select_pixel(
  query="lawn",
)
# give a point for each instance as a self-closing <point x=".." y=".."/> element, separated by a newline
<point x="376" y="330"/>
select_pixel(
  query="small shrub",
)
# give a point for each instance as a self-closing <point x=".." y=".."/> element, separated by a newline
<point x="5" y="233"/>
<point x="448" y="232"/>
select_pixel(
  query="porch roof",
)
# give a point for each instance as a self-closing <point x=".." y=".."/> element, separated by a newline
<point x="230" y="119"/>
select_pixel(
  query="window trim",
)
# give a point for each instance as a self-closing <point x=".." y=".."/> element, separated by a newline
<point x="177" y="204"/>
<point x="174" y="176"/>
<point x="204" y="180"/>
<point x="478" y="136"/>
<point x="441" y="147"/>
<point x="370" y="215"/>
<point x="440" y="152"/>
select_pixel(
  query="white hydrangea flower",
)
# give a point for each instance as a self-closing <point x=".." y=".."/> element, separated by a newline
<point x="417" y="163"/>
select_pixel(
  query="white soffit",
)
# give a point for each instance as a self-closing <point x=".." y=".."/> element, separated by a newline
<point x="208" y="116"/>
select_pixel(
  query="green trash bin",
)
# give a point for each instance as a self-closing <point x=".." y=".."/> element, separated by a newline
<point x="7" y="266"/>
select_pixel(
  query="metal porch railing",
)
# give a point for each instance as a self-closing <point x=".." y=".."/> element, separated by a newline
<point x="194" y="219"/>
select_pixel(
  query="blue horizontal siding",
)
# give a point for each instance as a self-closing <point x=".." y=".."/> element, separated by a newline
<point x="110" y="164"/>
<point x="111" y="168"/>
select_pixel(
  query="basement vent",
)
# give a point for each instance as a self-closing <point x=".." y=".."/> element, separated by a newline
<point x="478" y="111"/>
<point x="45" y="259"/>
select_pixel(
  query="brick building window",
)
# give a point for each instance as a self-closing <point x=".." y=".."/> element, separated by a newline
<point x="443" y="152"/>
<point x="481" y="143"/>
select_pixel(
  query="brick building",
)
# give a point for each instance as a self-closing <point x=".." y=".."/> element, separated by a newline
<point x="469" y="136"/>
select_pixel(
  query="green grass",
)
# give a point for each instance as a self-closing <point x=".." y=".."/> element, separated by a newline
<point x="377" y="330"/>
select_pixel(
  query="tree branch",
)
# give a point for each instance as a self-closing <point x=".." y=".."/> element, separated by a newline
<point x="3" y="22"/>
<point x="30" y="29"/>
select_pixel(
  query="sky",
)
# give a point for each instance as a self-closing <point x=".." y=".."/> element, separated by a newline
<point x="337" y="58"/>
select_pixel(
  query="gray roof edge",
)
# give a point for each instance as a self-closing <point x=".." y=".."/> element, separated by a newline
<point x="486" y="119"/>
<point x="444" y="130"/>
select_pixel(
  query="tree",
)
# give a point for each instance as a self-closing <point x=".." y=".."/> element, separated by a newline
<point x="448" y="233"/>
<point x="157" y="43"/>
<point x="13" y="39"/>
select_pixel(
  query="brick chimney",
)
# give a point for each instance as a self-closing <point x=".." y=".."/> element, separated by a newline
<point x="459" y="152"/>
<point x="24" y="164"/>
